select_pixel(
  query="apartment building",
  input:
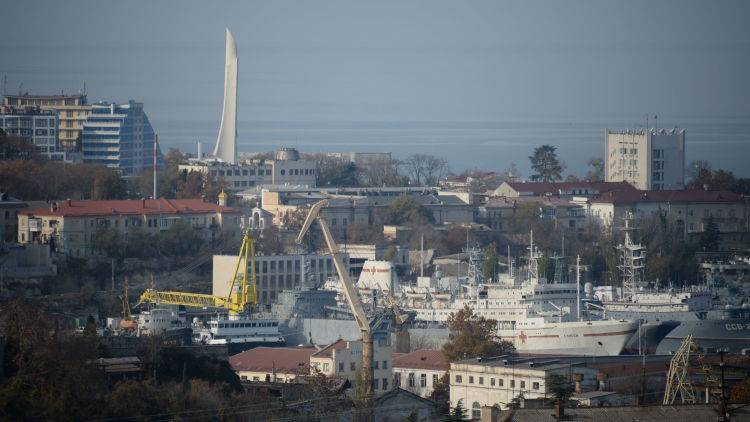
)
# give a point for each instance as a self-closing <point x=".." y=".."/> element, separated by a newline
<point x="419" y="371"/>
<point x="70" y="226"/>
<point x="9" y="209"/>
<point x="496" y="382"/>
<point x="648" y="159"/>
<point x="120" y="136"/>
<point x="498" y="213"/>
<point x="37" y="125"/>
<point x="343" y="359"/>
<point x="276" y="273"/>
<point x="72" y="111"/>
<point x="285" y="169"/>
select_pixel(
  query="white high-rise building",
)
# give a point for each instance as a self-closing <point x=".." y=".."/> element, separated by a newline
<point x="648" y="159"/>
<point x="226" y="143"/>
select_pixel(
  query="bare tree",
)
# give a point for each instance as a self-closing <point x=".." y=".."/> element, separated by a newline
<point x="425" y="169"/>
<point x="382" y="172"/>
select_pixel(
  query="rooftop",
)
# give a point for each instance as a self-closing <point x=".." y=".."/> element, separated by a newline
<point x="634" y="196"/>
<point x="422" y="359"/>
<point x="74" y="208"/>
<point x="327" y="351"/>
<point x="541" y="364"/>
<point x="267" y="359"/>
<point x="679" y="413"/>
<point x="554" y="188"/>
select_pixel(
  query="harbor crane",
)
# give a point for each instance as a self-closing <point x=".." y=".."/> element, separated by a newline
<point x="349" y="291"/>
<point x="241" y="296"/>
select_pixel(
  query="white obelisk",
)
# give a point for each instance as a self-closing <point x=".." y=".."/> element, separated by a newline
<point x="226" y="143"/>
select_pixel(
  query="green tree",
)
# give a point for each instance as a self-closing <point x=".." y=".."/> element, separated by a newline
<point x="108" y="185"/>
<point x="441" y="395"/>
<point x="596" y="170"/>
<point x="473" y="336"/>
<point x="710" y="238"/>
<point x="560" y="387"/>
<point x="545" y="164"/>
<point x="179" y="240"/>
<point x="490" y="262"/>
<point x="405" y="210"/>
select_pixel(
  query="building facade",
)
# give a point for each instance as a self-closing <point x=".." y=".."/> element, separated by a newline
<point x="497" y="382"/>
<point x="276" y="273"/>
<point x="72" y="111"/>
<point x="690" y="209"/>
<point x="70" y="227"/>
<point x="9" y="209"/>
<point x="419" y="371"/>
<point x="648" y="159"/>
<point x="119" y="136"/>
<point x="343" y="359"/>
<point x="499" y="213"/>
<point x="37" y="125"/>
<point x="272" y="364"/>
<point x="285" y="169"/>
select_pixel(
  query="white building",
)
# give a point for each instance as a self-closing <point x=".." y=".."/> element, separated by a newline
<point x="344" y="358"/>
<point x="496" y="382"/>
<point x="41" y="127"/>
<point x="276" y="273"/>
<point x="419" y="371"/>
<point x="648" y="159"/>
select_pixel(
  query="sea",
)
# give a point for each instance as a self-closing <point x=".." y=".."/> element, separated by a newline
<point x="724" y="143"/>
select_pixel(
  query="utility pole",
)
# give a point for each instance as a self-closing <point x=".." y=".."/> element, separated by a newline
<point x="156" y="143"/>
<point x="113" y="274"/>
<point x="578" y="286"/>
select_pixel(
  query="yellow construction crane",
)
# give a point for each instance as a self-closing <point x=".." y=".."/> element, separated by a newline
<point x="127" y="324"/>
<point x="349" y="291"/>
<point x="242" y="295"/>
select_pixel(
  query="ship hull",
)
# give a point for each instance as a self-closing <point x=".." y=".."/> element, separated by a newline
<point x="647" y="338"/>
<point x="730" y="335"/>
<point x="597" y="338"/>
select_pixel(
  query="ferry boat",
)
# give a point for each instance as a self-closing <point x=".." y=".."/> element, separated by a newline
<point x="238" y="332"/>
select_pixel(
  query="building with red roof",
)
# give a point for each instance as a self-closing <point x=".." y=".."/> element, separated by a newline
<point x="70" y="226"/>
<point x="272" y="364"/>
<point x="419" y="371"/>
<point x="560" y="189"/>
<point x="343" y="359"/>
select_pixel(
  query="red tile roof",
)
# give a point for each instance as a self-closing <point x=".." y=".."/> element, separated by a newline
<point x="422" y="359"/>
<point x="541" y="188"/>
<point x="288" y="360"/>
<point x="72" y="208"/>
<point x="327" y="351"/>
<point x="634" y="196"/>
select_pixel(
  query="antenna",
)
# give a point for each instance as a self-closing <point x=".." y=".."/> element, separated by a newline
<point x="156" y="142"/>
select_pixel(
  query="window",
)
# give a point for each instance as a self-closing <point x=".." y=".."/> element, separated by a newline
<point x="341" y="366"/>
<point x="476" y="410"/>
<point x="385" y="364"/>
<point x="376" y="364"/>
<point x="512" y="383"/>
<point x="411" y="379"/>
<point x="353" y="366"/>
<point x="523" y="384"/>
<point x="459" y="379"/>
<point x="535" y="386"/>
<point x="283" y="172"/>
<point x="423" y="380"/>
<point x="492" y="382"/>
<point x="471" y="379"/>
<point x="325" y="366"/>
<point x="481" y="380"/>
<point x="397" y="379"/>
<point x="434" y="379"/>
<point x="385" y="383"/>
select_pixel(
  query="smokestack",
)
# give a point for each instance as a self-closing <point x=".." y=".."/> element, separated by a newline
<point x="200" y="150"/>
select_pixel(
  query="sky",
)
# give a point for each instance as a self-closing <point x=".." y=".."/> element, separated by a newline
<point x="309" y="68"/>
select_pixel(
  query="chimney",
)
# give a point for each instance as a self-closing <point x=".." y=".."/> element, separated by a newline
<point x="578" y="378"/>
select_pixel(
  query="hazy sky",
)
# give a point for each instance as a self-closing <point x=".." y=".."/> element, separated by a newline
<point x="391" y="61"/>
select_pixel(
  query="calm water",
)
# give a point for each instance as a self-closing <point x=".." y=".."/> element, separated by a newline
<point x="491" y="146"/>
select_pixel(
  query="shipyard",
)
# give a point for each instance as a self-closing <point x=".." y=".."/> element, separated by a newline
<point x="420" y="211"/>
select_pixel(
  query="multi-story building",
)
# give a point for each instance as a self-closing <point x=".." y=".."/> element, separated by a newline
<point x="286" y="169"/>
<point x="70" y="226"/>
<point x="272" y="364"/>
<point x="72" y="111"/>
<point x="119" y="136"/>
<point x="497" y="382"/>
<point x="9" y="209"/>
<point x="35" y="124"/>
<point x="343" y="359"/>
<point x="648" y="159"/>
<point x="359" y="205"/>
<point x="276" y="273"/>
<point x="419" y="371"/>
<point x="559" y="189"/>
<point x="499" y="213"/>
<point x="690" y="209"/>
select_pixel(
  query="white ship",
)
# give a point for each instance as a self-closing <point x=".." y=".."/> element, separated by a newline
<point x="538" y="316"/>
<point x="238" y="333"/>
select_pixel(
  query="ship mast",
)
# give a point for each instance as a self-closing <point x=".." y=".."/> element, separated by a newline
<point x="533" y="267"/>
<point x="632" y="256"/>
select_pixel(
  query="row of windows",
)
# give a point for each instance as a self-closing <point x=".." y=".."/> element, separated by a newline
<point x="499" y="382"/>
<point x="411" y="379"/>
<point x="298" y="172"/>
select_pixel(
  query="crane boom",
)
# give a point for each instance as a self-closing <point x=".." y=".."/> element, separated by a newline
<point x="241" y="295"/>
<point x="349" y="290"/>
